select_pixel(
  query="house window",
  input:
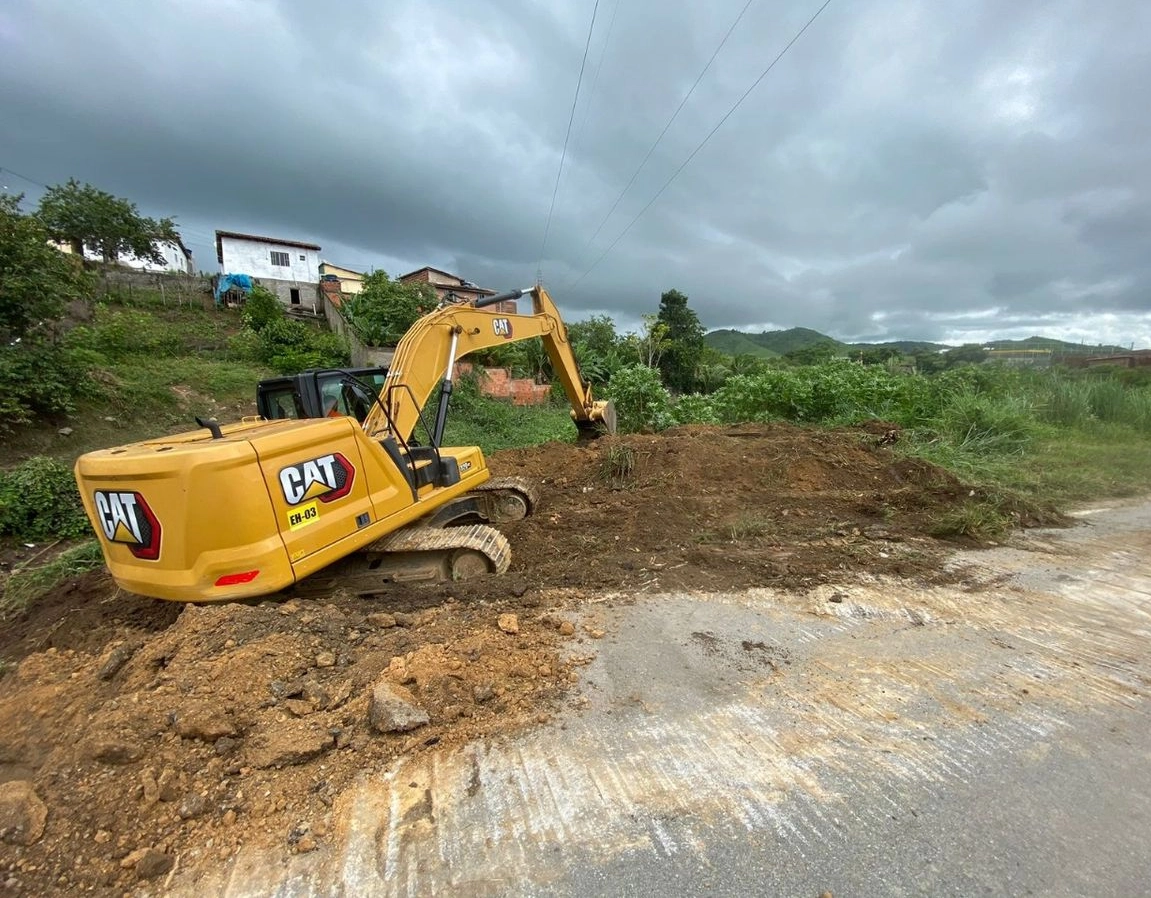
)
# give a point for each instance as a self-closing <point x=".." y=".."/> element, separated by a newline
<point x="295" y="296"/>
<point x="301" y="258"/>
<point x="280" y="259"/>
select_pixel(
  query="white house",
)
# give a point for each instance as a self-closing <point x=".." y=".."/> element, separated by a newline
<point x="288" y="268"/>
<point x="177" y="257"/>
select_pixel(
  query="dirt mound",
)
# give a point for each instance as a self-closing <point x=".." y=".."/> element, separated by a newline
<point x="242" y="723"/>
<point x="720" y="508"/>
<point x="152" y="730"/>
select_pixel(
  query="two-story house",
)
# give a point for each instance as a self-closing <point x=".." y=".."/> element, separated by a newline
<point x="289" y="268"/>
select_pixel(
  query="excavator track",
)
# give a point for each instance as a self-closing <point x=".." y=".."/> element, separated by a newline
<point x="510" y="495"/>
<point x="415" y="554"/>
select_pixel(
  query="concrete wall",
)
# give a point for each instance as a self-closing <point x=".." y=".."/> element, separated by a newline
<point x="254" y="257"/>
<point x="309" y="294"/>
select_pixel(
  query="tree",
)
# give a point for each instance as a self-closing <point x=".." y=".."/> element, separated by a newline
<point x="973" y="353"/>
<point x="383" y="311"/>
<point x="81" y="215"/>
<point x="684" y="341"/>
<point x="36" y="281"/>
<point x="651" y="342"/>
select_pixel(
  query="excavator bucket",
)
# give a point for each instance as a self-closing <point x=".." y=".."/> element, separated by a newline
<point x="601" y="421"/>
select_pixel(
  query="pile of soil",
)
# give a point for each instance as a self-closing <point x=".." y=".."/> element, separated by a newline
<point x="151" y="731"/>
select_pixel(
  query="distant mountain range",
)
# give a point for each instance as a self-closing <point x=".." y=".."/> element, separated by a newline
<point x="776" y="343"/>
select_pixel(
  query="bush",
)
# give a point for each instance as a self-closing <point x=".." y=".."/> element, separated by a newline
<point x="383" y="310"/>
<point x="41" y="379"/>
<point x="290" y="346"/>
<point x="693" y="408"/>
<point x="261" y="308"/>
<point x="39" y="500"/>
<point x="641" y="401"/>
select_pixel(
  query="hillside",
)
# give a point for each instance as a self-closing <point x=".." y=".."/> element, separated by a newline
<point x="775" y="343"/>
<point x="768" y="343"/>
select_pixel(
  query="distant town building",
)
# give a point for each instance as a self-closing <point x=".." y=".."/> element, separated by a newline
<point x="350" y="281"/>
<point x="177" y="257"/>
<point x="289" y="268"/>
<point x="451" y="286"/>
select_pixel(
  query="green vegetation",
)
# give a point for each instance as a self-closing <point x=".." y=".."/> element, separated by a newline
<point x="38" y="500"/>
<point x="285" y="345"/>
<point x="32" y="580"/>
<point x="494" y="424"/>
<point x="37" y="284"/>
<point x="384" y="310"/>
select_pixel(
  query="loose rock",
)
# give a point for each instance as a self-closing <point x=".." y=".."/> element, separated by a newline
<point x="154" y="863"/>
<point x="22" y="813"/>
<point x="114" y="751"/>
<point x="509" y="623"/>
<point x="325" y="659"/>
<point x="382" y="619"/>
<point x="393" y="710"/>
<point x="567" y="628"/>
<point x="203" y="722"/>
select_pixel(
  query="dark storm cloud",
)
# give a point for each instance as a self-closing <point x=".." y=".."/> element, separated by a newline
<point x="916" y="169"/>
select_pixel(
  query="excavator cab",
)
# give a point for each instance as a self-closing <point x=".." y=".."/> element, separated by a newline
<point x="320" y="393"/>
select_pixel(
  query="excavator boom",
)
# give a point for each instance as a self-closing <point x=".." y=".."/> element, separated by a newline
<point x="452" y="332"/>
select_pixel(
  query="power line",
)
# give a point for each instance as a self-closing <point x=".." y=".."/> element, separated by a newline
<point x="567" y="137"/>
<point x="23" y="177"/>
<point x="669" y="123"/>
<point x="703" y="142"/>
<point x="595" y="75"/>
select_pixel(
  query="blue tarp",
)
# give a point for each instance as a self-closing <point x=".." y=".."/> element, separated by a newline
<point x="228" y="281"/>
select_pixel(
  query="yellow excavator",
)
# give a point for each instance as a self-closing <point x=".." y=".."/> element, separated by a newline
<point x="249" y="509"/>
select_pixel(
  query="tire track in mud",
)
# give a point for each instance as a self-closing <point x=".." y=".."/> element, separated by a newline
<point x="854" y="702"/>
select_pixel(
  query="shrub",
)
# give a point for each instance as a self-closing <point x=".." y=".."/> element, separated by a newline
<point x="261" y="308"/>
<point x="39" y="500"/>
<point x="641" y="402"/>
<point x="693" y="408"/>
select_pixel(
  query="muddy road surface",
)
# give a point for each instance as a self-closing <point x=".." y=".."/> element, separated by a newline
<point x="989" y="735"/>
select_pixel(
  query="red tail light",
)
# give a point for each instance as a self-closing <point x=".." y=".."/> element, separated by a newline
<point x="234" y="579"/>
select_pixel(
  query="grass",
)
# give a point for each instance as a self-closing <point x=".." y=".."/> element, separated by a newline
<point x="30" y="581"/>
<point x="617" y="467"/>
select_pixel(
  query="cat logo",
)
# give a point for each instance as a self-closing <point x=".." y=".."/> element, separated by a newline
<point x="326" y="478"/>
<point x="502" y="328"/>
<point x="126" y="518"/>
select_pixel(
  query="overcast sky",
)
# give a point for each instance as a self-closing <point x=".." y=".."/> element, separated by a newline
<point x="927" y="169"/>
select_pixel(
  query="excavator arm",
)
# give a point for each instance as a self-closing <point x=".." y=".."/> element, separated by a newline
<point x="426" y="358"/>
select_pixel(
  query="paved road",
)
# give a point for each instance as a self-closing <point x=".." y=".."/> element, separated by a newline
<point x="990" y="737"/>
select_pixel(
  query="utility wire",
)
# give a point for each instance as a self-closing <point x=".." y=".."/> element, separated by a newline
<point x="567" y="137"/>
<point x="670" y="121"/>
<point x="23" y="177"/>
<point x="703" y="142"/>
<point x="595" y="75"/>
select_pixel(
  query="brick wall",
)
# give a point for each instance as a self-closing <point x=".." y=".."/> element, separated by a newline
<point x="499" y="384"/>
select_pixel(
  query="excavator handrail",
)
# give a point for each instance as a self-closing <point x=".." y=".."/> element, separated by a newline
<point x="430" y="348"/>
